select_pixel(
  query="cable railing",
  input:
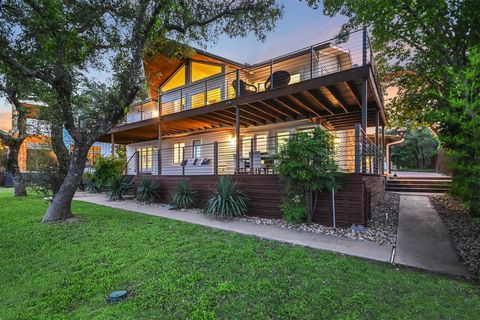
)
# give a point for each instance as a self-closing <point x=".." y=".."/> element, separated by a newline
<point x="334" y="55"/>
<point x="353" y="151"/>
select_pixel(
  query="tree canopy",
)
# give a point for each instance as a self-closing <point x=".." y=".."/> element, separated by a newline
<point x="61" y="43"/>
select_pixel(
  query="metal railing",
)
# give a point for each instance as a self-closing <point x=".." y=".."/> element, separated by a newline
<point x="330" y="56"/>
<point x="353" y="151"/>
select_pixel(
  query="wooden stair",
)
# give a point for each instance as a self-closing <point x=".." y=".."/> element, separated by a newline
<point x="419" y="184"/>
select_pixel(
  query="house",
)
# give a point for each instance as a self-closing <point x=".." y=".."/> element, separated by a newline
<point x="207" y="115"/>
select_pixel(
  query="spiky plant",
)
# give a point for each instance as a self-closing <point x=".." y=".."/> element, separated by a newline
<point x="90" y="183"/>
<point x="184" y="197"/>
<point x="117" y="187"/>
<point x="227" y="201"/>
<point x="147" y="191"/>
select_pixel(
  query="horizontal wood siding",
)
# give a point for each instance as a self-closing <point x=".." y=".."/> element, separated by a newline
<point x="265" y="193"/>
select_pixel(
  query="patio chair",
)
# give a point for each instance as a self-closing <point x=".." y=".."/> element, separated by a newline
<point x="241" y="164"/>
<point x="280" y="78"/>
<point x="245" y="88"/>
<point x="256" y="161"/>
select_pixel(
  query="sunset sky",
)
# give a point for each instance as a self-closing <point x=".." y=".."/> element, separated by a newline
<point x="300" y="27"/>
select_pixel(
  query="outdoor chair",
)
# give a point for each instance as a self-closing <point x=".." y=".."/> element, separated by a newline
<point x="245" y="88"/>
<point x="256" y="161"/>
<point x="280" y="78"/>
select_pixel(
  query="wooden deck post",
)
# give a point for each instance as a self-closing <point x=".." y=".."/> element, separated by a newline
<point x="357" y="148"/>
<point x="237" y="139"/>
<point x="159" y="146"/>
<point x="364" y="49"/>
<point x="137" y="162"/>
<point x="215" y="158"/>
<point x="112" y="139"/>
<point x="383" y="150"/>
<point x="377" y="143"/>
<point x="364" y="124"/>
<point x="183" y="161"/>
<point x="252" y="149"/>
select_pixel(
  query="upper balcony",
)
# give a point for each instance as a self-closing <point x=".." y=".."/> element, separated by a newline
<point x="322" y="81"/>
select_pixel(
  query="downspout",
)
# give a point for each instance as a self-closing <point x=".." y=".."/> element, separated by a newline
<point x="388" y="153"/>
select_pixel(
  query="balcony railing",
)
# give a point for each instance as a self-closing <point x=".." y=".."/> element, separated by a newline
<point x="353" y="152"/>
<point x="333" y="55"/>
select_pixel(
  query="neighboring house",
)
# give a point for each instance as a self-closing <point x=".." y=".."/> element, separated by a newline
<point x="36" y="146"/>
<point x="210" y="115"/>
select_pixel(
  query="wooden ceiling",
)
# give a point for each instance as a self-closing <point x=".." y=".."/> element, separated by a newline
<point x="333" y="100"/>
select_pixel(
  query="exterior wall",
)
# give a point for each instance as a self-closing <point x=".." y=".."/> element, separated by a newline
<point x="29" y="143"/>
<point x="265" y="193"/>
<point x="226" y="149"/>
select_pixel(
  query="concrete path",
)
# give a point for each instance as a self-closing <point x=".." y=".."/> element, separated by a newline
<point x="363" y="249"/>
<point x="422" y="239"/>
<point x="418" y="174"/>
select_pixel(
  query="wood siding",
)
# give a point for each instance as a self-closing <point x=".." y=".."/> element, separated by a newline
<point x="265" y="193"/>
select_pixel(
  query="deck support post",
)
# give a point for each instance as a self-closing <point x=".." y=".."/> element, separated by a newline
<point x="383" y="150"/>
<point x="237" y="139"/>
<point x="252" y="149"/>
<point x="215" y="158"/>
<point x="112" y="145"/>
<point x="364" y="124"/>
<point x="159" y="146"/>
<point x="183" y="161"/>
<point x="357" y="148"/>
<point x="377" y="143"/>
<point x="137" y="162"/>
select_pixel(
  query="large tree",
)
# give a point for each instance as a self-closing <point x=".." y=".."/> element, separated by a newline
<point x="11" y="89"/>
<point x="418" y="45"/>
<point x="67" y="40"/>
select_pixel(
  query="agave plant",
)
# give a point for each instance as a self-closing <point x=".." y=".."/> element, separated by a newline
<point x="90" y="183"/>
<point x="227" y="201"/>
<point x="117" y="187"/>
<point x="184" y="197"/>
<point x="147" y="191"/>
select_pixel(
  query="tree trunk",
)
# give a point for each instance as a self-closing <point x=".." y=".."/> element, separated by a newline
<point x="61" y="206"/>
<point x="14" y="169"/>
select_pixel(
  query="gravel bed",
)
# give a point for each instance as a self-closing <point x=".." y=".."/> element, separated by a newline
<point x="462" y="228"/>
<point x="382" y="227"/>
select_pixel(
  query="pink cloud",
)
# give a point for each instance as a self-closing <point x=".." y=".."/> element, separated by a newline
<point x="5" y="121"/>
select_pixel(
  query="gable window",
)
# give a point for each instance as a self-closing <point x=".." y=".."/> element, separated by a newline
<point x="178" y="148"/>
<point x="204" y="70"/>
<point x="175" y="81"/>
<point x="197" y="148"/>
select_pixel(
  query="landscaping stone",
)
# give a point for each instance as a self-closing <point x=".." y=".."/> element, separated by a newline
<point x="464" y="231"/>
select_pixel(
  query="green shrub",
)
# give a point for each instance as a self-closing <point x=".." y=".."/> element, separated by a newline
<point x="184" y="197"/>
<point x="227" y="201"/>
<point x="90" y="183"/>
<point x="293" y="209"/>
<point x="147" y="192"/>
<point x="107" y="168"/>
<point x="117" y="187"/>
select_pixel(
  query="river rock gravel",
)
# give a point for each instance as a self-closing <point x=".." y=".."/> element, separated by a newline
<point x="463" y="229"/>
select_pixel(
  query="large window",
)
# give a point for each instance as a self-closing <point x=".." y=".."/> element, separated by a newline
<point x="204" y="70"/>
<point x="93" y="154"/>
<point x="178" y="148"/>
<point x="197" y="148"/>
<point x="282" y="138"/>
<point x="145" y="161"/>
<point x="177" y="80"/>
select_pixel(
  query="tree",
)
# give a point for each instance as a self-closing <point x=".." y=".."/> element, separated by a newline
<point x="14" y="138"/>
<point x="67" y="39"/>
<point x="418" y="44"/>
<point x="306" y="165"/>
<point x="464" y="117"/>
<point x="417" y="150"/>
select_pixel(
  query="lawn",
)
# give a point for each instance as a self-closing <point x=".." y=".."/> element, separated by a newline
<point x="175" y="270"/>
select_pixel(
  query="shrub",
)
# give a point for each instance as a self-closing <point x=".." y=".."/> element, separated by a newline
<point x="306" y="165"/>
<point x="90" y="183"/>
<point x="184" y="197"/>
<point x="147" y="192"/>
<point x="293" y="209"/>
<point x="117" y="187"/>
<point x="107" y="168"/>
<point x="227" y="201"/>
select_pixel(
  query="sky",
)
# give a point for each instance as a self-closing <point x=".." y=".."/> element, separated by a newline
<point x="300" y="27"/>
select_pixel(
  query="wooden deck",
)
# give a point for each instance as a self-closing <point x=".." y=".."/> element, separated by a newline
<point x="353" y="203"/>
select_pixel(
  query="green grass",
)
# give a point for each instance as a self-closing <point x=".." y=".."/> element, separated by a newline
<point x="175" y="270"/>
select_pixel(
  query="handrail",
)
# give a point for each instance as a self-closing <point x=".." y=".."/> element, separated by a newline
<point x="125" y="168"/>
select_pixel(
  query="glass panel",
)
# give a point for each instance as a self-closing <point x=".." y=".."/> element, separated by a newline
<point x="282" y="138"/>
<point x="294" y="78"/>
<point x="198" y="100"/>
<point x="178" y="148"/>
<point x="213" y="95"/>
<point x="203" y="70"/>
<point x="176" y="81"/>
<point x="197" y="148"/>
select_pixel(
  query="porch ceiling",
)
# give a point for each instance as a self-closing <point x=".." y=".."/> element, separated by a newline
<point x="333" y="100"/>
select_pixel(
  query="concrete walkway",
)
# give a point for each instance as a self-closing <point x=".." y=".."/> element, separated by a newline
<point x="422" y="239"/>
<point x="362" y="249"/>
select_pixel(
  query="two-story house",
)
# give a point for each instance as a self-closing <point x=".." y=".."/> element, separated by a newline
<point x="207" y="115"/>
